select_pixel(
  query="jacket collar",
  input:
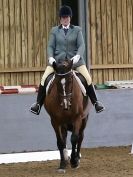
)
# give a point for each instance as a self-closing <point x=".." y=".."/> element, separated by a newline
<point x="71" y="26"/>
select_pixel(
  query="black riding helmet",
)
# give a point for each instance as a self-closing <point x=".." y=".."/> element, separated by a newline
<point x="65" y="11"/>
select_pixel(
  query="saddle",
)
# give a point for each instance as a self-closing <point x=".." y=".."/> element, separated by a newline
<point x="79" y="77"/>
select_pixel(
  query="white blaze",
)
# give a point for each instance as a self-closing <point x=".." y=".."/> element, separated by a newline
<point x="63" y="81"/>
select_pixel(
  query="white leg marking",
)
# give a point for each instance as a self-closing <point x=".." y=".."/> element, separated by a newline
<point x="65" y="152"/>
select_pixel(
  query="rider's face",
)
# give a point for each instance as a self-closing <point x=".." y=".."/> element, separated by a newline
<point x="65" y="20"/>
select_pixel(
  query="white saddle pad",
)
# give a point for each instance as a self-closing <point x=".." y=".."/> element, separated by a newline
<point x="77" y="79"/>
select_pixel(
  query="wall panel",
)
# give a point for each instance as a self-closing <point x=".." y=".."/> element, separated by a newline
<point x="111" y="39"/>
<point x="24" y="31"/>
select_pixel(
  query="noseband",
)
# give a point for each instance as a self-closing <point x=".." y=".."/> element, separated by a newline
<point x="59" y="74"/>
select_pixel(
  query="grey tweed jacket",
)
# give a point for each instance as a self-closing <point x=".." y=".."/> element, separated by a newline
<point x="61" y="46"/>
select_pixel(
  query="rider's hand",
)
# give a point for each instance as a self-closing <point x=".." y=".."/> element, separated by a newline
<point x="76" y="59"/>
<point x="51" y="60"/>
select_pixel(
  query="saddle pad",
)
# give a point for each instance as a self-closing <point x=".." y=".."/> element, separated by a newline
<point x="82" y="87"/>
<point x="49" y="83"/>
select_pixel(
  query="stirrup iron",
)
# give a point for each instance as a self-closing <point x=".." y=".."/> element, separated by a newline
<point x="37" y="111"/>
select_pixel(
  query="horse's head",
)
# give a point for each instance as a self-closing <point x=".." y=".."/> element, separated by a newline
<point x="64" y="81"/>
<point x="63" y="66"/>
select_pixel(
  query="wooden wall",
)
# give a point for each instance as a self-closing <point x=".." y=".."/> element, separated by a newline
<point x="24" y="29"/>
<point x="111" y="39"/>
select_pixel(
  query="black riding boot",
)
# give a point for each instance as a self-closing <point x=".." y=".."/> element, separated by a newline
<point x="36" y="107"/>
<point x="92" y="95"/>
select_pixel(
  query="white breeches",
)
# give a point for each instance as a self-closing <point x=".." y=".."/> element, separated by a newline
<point x="81" y="69"/>
<point x="48" y="71"/>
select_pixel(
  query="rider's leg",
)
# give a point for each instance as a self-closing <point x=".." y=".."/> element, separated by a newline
<point x="90" y="89"/>
<point x="36" y="107"/>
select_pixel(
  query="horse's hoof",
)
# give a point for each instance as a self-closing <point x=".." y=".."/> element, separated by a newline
<point x="75" y="164"/>
<point x="61" y="170"/>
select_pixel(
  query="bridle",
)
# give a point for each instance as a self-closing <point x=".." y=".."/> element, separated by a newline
<point x="64" y="74"/>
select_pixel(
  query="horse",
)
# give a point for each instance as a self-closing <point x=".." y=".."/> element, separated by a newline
<point x="68" y="109"/>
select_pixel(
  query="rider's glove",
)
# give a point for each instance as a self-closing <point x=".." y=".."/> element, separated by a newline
<point x="76" y="59"/>
<point x="51" y="60"/>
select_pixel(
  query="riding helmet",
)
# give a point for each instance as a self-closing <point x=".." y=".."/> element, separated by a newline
<point x="65" y="11"/>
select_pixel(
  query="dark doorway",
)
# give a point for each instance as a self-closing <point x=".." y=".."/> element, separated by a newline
<point x="74" y="6"/>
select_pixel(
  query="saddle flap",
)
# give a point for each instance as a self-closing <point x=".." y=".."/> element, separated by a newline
<point x="49" y="81"/>
<point x="80" y="81"/>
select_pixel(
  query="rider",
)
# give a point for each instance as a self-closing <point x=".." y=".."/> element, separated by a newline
<point x="66" y="41"/>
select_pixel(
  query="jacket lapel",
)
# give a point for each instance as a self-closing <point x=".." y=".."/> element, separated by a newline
<point x="61" y="30"/>
<point x="69" y="31"/>
<point x="71" y="28"/>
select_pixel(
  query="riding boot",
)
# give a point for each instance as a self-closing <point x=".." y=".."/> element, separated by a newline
<point x="36" y="107"/>
<point x="92" y="95"/>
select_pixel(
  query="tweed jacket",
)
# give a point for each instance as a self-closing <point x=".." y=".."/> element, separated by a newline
<point x="61" y="46"/>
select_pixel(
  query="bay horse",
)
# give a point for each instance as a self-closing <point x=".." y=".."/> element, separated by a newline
<point x="68" y="109"/>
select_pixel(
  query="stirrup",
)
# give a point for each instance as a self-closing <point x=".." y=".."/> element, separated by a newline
<point x="100" y="110"/>
<point x="101" y="105"/>
<point x="37" y="111"/>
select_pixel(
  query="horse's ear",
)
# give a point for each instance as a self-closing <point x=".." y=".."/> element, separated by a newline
<point x="54" y="65"/>
<point x="71" y="62"/>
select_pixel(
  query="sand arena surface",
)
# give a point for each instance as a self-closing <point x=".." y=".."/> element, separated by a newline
<point x="95" y="162"/>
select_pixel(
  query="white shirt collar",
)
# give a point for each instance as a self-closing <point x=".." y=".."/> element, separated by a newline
<point x="66" y="27"/>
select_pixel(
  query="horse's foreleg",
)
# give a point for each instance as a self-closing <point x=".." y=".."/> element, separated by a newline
<point x="74" y="140"/>
<point x="61" y="135"/>
<point x="81" y="136"/>
<point x="80" y="139"/>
